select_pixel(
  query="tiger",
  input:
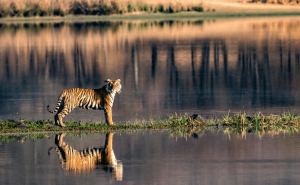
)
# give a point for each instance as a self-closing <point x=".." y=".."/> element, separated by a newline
<point x="96" y="99"/>
<point x="84" y="160"/>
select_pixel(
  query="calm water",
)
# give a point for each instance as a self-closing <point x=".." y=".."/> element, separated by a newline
<point x="206" y="67"/>
<point x="157" y="158"/>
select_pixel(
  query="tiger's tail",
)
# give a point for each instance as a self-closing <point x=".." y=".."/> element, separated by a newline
<point x="61" y="96"/>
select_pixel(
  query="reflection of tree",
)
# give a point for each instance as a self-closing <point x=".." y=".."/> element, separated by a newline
<point x="7" y="65"/>
<point x="216" y="59"/>
<point x="204" y="70"/>
<point x="187" y="71"/>
<point x="173" y="77"/>
<point x="79" y="161"/>
<point x="135" y="65"/>
<point x="205" y="78"/>
<point x="154" y="61"/>
<point x="79" y="64"/>
<point x="95" y="74"/>
<point x="251" y="77"/>
<point x="225" y="58"/>
<point x="253" y="73"/>
<point x="297" y="62"/>
<point x="193" y="58"/>
<point x="280" y="52"/>
<point x="290" y="79"/>
<point x="286" y="72"/>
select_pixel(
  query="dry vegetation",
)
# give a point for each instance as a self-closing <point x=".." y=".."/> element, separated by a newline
<point x="29" y="8"/>
<point x="278" y="1"/>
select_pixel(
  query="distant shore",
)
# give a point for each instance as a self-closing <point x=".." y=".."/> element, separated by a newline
<point x="53" y="8"/>
<point x="149" y="16"/>
<point x="92" y="10"/>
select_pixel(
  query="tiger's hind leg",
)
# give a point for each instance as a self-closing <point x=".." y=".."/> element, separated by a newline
<point x="56" y="119"/>
<point x="63" y="112"/>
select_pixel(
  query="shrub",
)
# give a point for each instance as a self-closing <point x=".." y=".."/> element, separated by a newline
<point x="182" y="9"/>
<point x="145" y="7"/>
<point x="160" y="8"/>
<point x="79" y="8"/>
<point x="43" y="12"/>
<point x="151" y="8"/>
<point x="105" y="9"/>
<point x="93" y="10"/>
<point x="130" y="7"/>
<point x="4" y="12"/>
<point x="115" y="7"/>
<point x="197" y="8"/>
<point x="50" y="11"/>
<point x="140" y="8"/>
<point x="13" y="10"/>
<point x="170" y="9"/>
<point x="28" y="11"/>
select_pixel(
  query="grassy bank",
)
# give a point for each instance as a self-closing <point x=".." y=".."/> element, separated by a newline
<point x="244" y="122"/>
<point x="135" y="9"/>
<point x="230" y="126"/>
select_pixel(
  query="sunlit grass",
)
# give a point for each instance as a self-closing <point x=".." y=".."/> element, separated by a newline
<point x="238" y="123"/>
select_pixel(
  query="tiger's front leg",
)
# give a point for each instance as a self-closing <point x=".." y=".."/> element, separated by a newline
<point x="108" y="115"/>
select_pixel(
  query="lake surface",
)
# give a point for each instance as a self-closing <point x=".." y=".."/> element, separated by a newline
<point x="153" y="157"/>
<point x="206" y="67"/>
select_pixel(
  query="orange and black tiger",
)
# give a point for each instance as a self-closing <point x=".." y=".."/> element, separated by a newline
<point x="97" y="99"/>
<point x="75" y="161"/>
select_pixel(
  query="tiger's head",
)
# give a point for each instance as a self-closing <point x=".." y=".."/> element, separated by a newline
<point x="113" y="86"/>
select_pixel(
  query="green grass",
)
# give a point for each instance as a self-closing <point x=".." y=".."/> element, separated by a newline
<point x="236" y="123"/>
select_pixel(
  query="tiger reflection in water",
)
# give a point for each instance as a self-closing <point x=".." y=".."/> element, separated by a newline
<point x="83" y="160"/>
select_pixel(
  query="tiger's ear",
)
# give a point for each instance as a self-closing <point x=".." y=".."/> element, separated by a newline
<point x="108" y="80"/>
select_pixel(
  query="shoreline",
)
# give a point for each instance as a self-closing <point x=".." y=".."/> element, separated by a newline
<point x="239" y="125"/>
<point x="151" y="16"/>
<point x="238" y="121"/>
